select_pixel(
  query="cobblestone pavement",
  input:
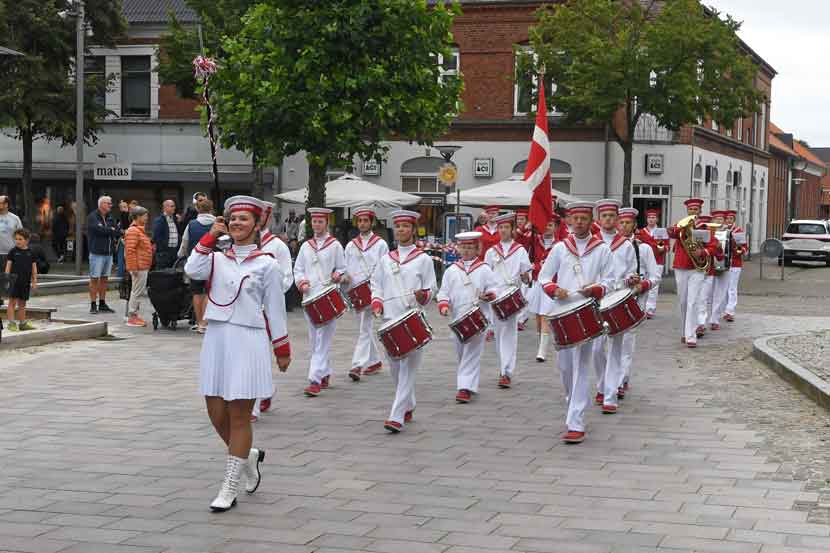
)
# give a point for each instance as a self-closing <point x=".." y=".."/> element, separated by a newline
<point x="105" y="447"/>
<point x="811" y="350"/>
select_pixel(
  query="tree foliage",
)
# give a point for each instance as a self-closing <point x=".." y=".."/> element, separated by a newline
<point x="675" y="60"/>
<point x="335" y="80"/>
<point x="37" y="98"/>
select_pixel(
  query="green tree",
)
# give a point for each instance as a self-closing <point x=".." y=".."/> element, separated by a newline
<point x="37" y="98"/>
<point x="335" y="80"/>
<point x="619" y="60"/>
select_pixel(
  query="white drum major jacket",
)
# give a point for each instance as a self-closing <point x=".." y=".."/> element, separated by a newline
<point x="399" y="274"/>
<point x="272" y="244"/>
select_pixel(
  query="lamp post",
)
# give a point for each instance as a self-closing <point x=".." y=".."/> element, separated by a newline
<point x="447" y="151"/>
<point x="80" y="27"/>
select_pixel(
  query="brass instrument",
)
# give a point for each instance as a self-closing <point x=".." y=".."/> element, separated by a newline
<point x="724" y="237"/>
<point x="686" y="226"/>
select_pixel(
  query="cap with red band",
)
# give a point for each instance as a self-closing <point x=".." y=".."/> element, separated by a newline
<point x="404" y="216"/>
<point x="469" y="238"/>
<point x="652" y="212"/>
<point x="608" y="204"/>
<point x="522" y="211"/>
<point x="719" y="213"/>
<point x="492" y="209"/>
<point x="693" y="202"/>
<point x="581" y="207"/>
<point x="628" y="214"/>
<point x="319" y="212"/>
<point x="364" y="211"/>
<point x="245" y="203"/>
<point x="508" y="217"/>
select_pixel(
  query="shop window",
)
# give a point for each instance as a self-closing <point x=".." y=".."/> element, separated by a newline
<point x="135" y="86"/>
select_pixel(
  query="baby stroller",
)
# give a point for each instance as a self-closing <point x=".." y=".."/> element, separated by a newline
<point x="170" y="296"/>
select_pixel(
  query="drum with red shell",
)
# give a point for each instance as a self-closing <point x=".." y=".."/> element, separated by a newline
<point x="325" y="306"/>
<point x="405" y="334"/>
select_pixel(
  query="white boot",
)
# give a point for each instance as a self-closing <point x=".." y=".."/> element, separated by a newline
<point x="251" y="469"/>
<point x="230" y="487"/>
<point x="544" y="341"/>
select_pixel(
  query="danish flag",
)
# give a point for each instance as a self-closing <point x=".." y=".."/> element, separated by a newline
<point x="537" y="172"/>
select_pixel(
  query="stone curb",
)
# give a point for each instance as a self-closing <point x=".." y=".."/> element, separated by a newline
<point x="804" y="380"/>
<point x="80" y="330"/>
<point x="72" y="286"/>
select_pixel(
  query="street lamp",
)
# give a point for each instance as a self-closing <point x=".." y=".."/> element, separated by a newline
<point x="79" y="133"/>
<point x="447" y="151"/>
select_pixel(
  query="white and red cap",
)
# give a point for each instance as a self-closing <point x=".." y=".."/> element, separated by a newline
<point x="245" y="203"/>
<point x="468" y="238"/>
<point x="269" y="208"/>
<point x="319" y="212"/>
<point x="492" y="209"/>
<point x="730" y="213"/>
<point x="581" y="207"/>
<point x="719" y="213"/>
<point x="364" y="211"/>
<point x="608" y="204"/>
<point x="508" y="217"/>
<point x="405" y="216"/>
<point x="523" y="211"/>
<point x="628" y="213"/>
<point x="653" y="211"/>
<point x="693" y="202"/>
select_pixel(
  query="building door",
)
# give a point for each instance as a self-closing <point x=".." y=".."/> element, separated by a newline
<point x="645" y="197"/>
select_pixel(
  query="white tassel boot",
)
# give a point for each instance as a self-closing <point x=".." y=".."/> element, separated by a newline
<point x="230" y="487"/>
<point x="251" y="469"/>
<point x="544" y="341"/>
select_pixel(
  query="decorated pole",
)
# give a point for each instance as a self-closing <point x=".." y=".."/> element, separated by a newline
<point x="204" y="67"/>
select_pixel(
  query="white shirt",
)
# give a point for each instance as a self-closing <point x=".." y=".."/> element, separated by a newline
<point x="9" y="222"/>
<point x="624" y="259"/>
<point x="272" y="244"/>
<point x="463" y="283"/>
<point x="363" y="253"/>
<point x="509" y="260"/>
<point x="577" y="263"/>
<point x="398" y="275"/>
<point x="318" y="258"/>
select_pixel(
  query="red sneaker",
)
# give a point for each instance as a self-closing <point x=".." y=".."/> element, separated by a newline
<point x="491" y="335"/>
<point x="265" y="404"/>
<point x="700" y="331"/>
<point x="521" y="327"/>
<point x="373" y="369"/>
<point x="621" y="392"/>
<point x="324" y="383"/>
<point x="354" y="374"/>
<point x="609" y="409"/>
<point x="715" y="326"/>
<point x="392" y="426"/>
<point x="463" y="396"/>
<point x="649" y="314"/>
<point x="730" y="318"/>
<point x="573" y="437"/>
<point x="504" y="381"/>
<point x="312" y="390"/>
<point x="691" y="344"/>
<point x="600" y="399"/>
<point x="254" y="418"/>
<point x="407" y="417"/>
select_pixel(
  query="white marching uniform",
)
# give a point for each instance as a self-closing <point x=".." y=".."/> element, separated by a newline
<point x="461" y="286"/>
<point x="576" y="263"/>
<point x="509" y="260"/>
<point x="609" y="365"/>
<point x="704" y="299"/>
<point x="720" y="296"/>
<point x="317" y="260"/>
<point x="398" y="275"/>
<point x="652" y="272"/>
<point x="362" y="256"/>
<point x="538" y="302"/>
<point x="654" y="291"/>
<point x="243" y="283"/>
<point x="732" y="294"/>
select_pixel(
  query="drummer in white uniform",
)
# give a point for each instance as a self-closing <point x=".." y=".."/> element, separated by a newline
<point x="578" y="267"/>
<point x="320" y="263"/>
<point x="467" y="283"/>
<point x="270" y="243"/>
<point x="244" y="284"/>
<point x="511" y="267"/>
<point x="362" y="256"/>
<point x="404" y="280"/>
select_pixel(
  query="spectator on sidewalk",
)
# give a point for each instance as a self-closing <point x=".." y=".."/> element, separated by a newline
<point x="20" y="262"/>
<point x="192" y="210"/>
<point x="166" y="236"/>
<point x="194" y="232"/>
<point x="9" y="222"/>
<point x="138" y="257"/>
<point x="60" y="231"/>
<point x="102" y="230"/>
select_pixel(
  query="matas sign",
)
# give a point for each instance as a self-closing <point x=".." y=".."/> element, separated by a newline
<point x="113" y="171"/>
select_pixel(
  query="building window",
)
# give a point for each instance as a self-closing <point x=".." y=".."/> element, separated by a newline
<point x="526" y="84"/>
<point x="714" y="194"/>
<point x="697" y="181"/>
<point x="754" y="129"/>
<point x="560" y="174"/>
<point x="135" y="86"/>
<point x="740" y="133"/>
<point x="420" y="176"/>
<point x="449" y="66"/>
<point x="715" y="126"/>
<point x="95" y="71"/>
<point x="763" y="142"/>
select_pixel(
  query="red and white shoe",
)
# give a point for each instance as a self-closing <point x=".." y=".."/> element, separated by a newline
<point x="265" y="404"/>
<point x="254" y="418"/>
<point x="354" y="374"/>
<point x="649" y="314"/>
<point x="714" y="326"/>
<point x="408" y="416"/>
<point x="609" y="409"/>
<point x="700" y="331"/>
<point x="729" y="317"/>
<point x="691" y="344"/>
<point x="464" y="396"/>
<point x="521" y="327"/>
<point x="504" y="381"/>
<point x="621" y="393"/>
<point x="324" y="383"/>
<point x="491" y="336"/>
<point x="312" y="390"/>
<point x="372" y="369"/>
<point x="573" y="437"/>
<point x="392" y="426"/>
<point x="599" y="399"/>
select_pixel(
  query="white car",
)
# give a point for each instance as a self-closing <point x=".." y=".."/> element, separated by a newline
<point x="806" y="240"/>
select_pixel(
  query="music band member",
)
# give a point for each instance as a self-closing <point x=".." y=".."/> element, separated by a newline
<point x="246" y="311"/>
<point x="466" y="283"/>
<point x="659" y="248"/>
<point x="578" y="267"/>
<point x="511" y="266"/>
<point x="524" y="236"/>
<point x="488" y="230"/>
<point x="404" y="279"/>
<point x="320" y="263"/>
<point x="720" y="283"/>
<point x="538" y="302"/>
<point x="738" y="252"/>
<point x="689" y="280"/>
<point x="609" y="365"/>
<point x="704" y="299"/>
<point x="362" y="256"/>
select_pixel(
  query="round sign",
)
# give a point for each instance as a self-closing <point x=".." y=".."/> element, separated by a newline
<point x="447" y="174"/>
<point x="772" y="248"/>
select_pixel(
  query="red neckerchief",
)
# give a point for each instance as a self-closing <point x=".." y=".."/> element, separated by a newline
<point x="313" y="243"/>
<point x="268" y="237"/>
<point x="396" y="256"/>
<point x="372" y="241"/>
<point x="618" y="241"/>
<point x="476" y="264"/>
<point x="485" y="228"/>
<point x="514" y="247"/>
<point x="593" y="242"/>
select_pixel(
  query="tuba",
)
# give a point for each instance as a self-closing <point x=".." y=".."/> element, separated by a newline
<point x="724" y="237"/>
<point x="686" y="227"/>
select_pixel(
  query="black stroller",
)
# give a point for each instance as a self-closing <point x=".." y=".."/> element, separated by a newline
<point x="170" y="296"/>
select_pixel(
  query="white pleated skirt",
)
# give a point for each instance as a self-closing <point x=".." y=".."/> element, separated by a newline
<point x="235" y="362"/>
<point x="538" y="301"/>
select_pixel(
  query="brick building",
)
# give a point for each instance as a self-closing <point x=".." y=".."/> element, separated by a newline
<point x="824" y="208"/>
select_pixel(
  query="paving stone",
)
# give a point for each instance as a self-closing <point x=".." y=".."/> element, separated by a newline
<point x="704" y="545"/>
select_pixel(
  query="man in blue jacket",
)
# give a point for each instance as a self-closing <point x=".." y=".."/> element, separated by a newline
<point x="166" y="235"/>
<point x="102" y="231"/>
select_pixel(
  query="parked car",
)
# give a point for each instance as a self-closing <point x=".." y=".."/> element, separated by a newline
<point x="806" y="240"/>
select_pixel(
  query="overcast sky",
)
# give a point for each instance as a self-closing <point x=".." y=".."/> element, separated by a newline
<point x="794" y="37"/>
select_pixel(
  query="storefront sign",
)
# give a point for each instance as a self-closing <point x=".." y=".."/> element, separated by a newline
<point x="113" y="171"/>
<point x="483" y="167"/>
<point x="654" y="164"/>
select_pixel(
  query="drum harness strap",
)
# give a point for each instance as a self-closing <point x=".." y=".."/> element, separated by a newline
<point x="316" y="262"/>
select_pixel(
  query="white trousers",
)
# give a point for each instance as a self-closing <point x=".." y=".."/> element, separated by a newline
<point x="653" y="292"/>
<point x="366" y="350"/>
<point x="403" y="377"/>
<point x="574" y="370"/>
<point x="629" y="344"/>
<point x="704" y="300"/>
<point x="609" y="366"/>
<point x="319" y="342"/>
<point x="689" y="283"/>
<point x="469" y="361"/>
<point x="732" y="301"/>
<point x="720" y="296"/>
<point x="507" y="337"/>
<point x="524" y="314"/>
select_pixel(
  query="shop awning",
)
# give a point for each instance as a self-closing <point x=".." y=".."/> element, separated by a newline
<point x="351" y="191"/>
<point x="513" y="192"/>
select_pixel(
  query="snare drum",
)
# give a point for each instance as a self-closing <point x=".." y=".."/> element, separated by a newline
<point x="325" y="306"/>
<point x="510" y="302"/>
<point x="621" y="312"/>
<point x="360" y="296"/>
<point x="575" y="322"/>
<point x="405" y="334"/>
<point x="470" y="324"/>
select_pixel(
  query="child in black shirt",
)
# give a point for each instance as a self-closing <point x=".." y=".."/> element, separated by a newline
<point x="20" y="262"/>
